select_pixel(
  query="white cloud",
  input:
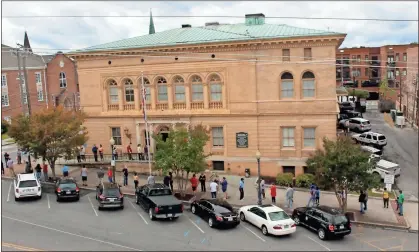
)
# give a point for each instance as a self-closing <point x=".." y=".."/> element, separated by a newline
<point x="76" y="33"/>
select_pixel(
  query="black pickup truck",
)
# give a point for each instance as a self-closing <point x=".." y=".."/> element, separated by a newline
<point x="159" y="201"/>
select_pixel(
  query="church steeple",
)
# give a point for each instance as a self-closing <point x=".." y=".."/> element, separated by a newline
<point x="26" y="43"/>
<point x="151" y="27"/>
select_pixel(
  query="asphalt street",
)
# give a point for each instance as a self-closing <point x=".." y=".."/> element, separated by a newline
<point x="62" y="226"/>
<point x="402" y="148"/>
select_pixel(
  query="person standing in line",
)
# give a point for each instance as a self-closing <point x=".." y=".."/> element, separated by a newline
<point x="6" y="158"/>
<point x="166" y="180"/>
<point x="125" y="175"/>
<point x="317" y="194"/>
<point x="84" y="175"/>
<point x="171" y="180"/>
<point x="385" y="198"/>
<point x="115" y="153"/>
<point x="202" y="180"/>
<point x="101" y="152"/>
<point x="366" y="200"/>
<point x="213" y="188"/>
<point x="45" y="171"/>
<point x="401" y="202"/>
<point x="241" y="188"/>
<point x="38" y="170"/>
<point x="129" y="151"/>
<point x="19" y="156"/>
<point x="224" y="185"/>
<point x="94" y="150"/>
<point x="361" y="201"/>
<point x="65" y="171"/>
<point x="150" y="179"/>
<point x="11" y="167"/>
<point x="140" y="152"/>
<point x="100" y="175"/>
<point x="273" y="193"/>
<point x="83" y="153"/>
<point x="135" y="180"/>
<point x="194" y="183"/>
<point x="110" y="174"/>
<point x="312" y="198"/>
<point x="78" y="154"/>
<point x="262" y="188"/>
<point x="289" y="195"/>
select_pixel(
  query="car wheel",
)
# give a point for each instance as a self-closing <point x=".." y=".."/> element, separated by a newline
<point x="321" y="233"/>
<point x="242" y="217"/>
<point x="78" y="198"/>
<point x="122" y="207"/>
<point x="264" y="230"/>
<point x="193" y="209"/>
<point x="296" y="220"/>
<point x="150" y="214"/>
<point x="211" y="222"/>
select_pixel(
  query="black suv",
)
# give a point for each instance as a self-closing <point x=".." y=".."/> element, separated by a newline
<point x="109" y="195"/>
<point x="67" y="188"/>
<point x="328" y="222"/>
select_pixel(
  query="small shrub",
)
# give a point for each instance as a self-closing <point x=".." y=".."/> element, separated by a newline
<point x="304" y="180"/>
<point x="284" y="179"/>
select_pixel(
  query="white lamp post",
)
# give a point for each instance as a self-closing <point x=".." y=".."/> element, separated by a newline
<point x="112" y="142"/>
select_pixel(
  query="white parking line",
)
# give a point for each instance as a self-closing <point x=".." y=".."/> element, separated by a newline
<point x="68" y="233"/>
<point x="138" y="213"/>
<point x="49" y="206"/>
<point x="328" y="249"/>
<point x="202" y="231"/>
<point x="248" y="229"/>
<point x="8" y="194"/>
<point x="92" y="205"/>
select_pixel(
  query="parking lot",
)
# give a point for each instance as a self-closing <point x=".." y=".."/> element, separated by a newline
<point x="49" y="225"/>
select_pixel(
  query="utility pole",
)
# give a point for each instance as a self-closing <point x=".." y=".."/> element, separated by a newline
<point x="20" y="79"/>
<point x="25" y="54"/>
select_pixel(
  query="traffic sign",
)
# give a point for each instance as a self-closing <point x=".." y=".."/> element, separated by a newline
<point x="388" y="186"/>
<point x="389" y="179"/>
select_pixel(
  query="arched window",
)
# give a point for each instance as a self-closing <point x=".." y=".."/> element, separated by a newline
<point x="63" y="80"/>
<point x="197" y="88"/>
<point x="113" y="91"/>
<point x="147" y="89"/>
<point x="309" y="88"/>
<point x="129" y="90"/>
<point x="161" y="89"/>
<point x="287" y="85"/>
<point x="179" y="84"/>
<point x="215" y="87"/>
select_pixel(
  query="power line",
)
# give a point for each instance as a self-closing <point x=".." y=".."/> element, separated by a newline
<point x="194" y="16"/>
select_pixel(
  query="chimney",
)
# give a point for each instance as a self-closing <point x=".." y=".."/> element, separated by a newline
<point x="255" y="19"/>
<point x="186" y="26"/>
<point x="212" y="23"/>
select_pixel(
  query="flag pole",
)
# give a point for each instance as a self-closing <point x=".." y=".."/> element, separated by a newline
<point x="148" y="140"/>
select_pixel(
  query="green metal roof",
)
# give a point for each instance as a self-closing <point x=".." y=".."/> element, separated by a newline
<point x="210" y="34"/>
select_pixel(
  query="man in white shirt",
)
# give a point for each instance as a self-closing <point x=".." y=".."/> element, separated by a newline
<point x="140" y="152"/>
<point x="213" y="188"/>
<point x="150" y="179"/>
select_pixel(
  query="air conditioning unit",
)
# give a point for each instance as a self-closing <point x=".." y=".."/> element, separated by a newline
<point x="400" y="121"/>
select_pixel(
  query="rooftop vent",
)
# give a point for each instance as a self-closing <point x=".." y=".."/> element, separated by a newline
<point x="212" y="23"/>
<point x="186" y="26"/>
<point x="255" y="19"/>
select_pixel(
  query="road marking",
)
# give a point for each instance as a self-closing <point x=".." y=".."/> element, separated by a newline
<point x="49" y="206"/>
<point x="248" y="229"/>
<point x="202" y="231"/>
<point x="386" y="238"/>
<point x="395" y="247"/>
<point x="328" y="249"/>
<point x="68" y="233"/>
<point x="8" y="194"/>
<point x="368" y="243"/>
<point x="186" y="233"/>
<point x="18" y="247"/>
<point x="138" y="213"/>
<point x="203" y="240"/>
<point x="92" y="205"/>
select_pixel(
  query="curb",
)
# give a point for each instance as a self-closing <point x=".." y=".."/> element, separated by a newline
<point x="383" y="226"/>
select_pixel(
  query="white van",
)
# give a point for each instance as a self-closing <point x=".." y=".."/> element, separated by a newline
<point x="382" y="167"/>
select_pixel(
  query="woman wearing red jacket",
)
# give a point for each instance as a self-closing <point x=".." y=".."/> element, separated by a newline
<point x="194" y="183"/>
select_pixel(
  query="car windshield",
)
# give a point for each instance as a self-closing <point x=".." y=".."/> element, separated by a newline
<point x="340" y="219"/>
<point x="68" y="185"/>
<point x="381" y="138"/>
<point x="28" y="183"/>
<point x="277" y="216"/>
<point x="223" y="208"/>
<point x="160" y="192"/>
<point x="112" y="192"/>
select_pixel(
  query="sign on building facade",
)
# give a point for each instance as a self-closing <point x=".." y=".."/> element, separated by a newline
<point x="242" y="140"/>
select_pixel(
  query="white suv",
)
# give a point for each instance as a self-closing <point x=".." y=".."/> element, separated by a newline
<point x="27" y="186"/>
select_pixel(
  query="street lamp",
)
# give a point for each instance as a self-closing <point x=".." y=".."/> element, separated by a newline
<point x="259" y="191"/>
<point x="112" y="142"/>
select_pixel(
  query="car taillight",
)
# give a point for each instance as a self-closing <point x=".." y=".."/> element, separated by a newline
<point x="101" y="197"/>
<point x="277" y="227"/>
<point x="58" y="190"/>
<point x="218" y="218"/>
<point x="156" y="209"/>
<point x="77" y="189"/>
<point x="17" y="190"/>
<point x="181" y="208"/>
<point x="331" y="228"/>
<point x="293" y="225"/>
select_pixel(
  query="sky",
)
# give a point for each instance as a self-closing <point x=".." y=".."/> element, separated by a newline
<point x="49" y="35"/>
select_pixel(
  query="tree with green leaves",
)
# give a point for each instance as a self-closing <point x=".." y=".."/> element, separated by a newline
<point x="361" y="94"/>
<point x="343" y="166"/>
<point x="51" y="133"/>
<point x="182" y="153"/>
<point x="385" y="90"/>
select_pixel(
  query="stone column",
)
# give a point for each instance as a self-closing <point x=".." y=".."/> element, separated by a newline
<point x="188" y="95"/>
<point x="224" y="94"/>
<point x="137" y="98"/>
<point x="105" y="95"/>
<point x="138" y="133"/>
<point x="153" y="95"/>
<point x="170" y="94"/>
<point x="206" y="95"/>
<point x="121" y="98"/>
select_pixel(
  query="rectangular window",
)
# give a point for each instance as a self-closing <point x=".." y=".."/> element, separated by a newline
<point x="113" y="95"/>
<point x="180" y="93"/>
<point x="116" y="135"/>
<point x="309" y="137"/>
<point x="162" y="94"/>
<point x="216" y="92"/>
<point x="397" y="57"/>
<point x="148" y="94"/>
<point x="197" y="92"/>
<point x="367" y="72"/>
<point x="404" y="72"/>
<point x="38" y="78"/>
<point x="217" y="137"/>
<point x="366" y="58"/>
<point x="3" y="80"/>
<point x="390" y="59"/>
<point x="307" y="54"/>
<point x="4" y="100"/>
<point x="308" y="88"/>
<point x="287" y="89"/>
<point x="405" y="57"/>
<point x="397" y="72"/>
<point x="390" y="75"/>
<point x="288" y="137"/>
<point x="129" y="94"/>
<point x="40" y="95"/>
<point x="286" y="54"/>
<point x="358" y="58"/>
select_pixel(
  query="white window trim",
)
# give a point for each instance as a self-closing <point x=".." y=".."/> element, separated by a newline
<point x="40" y="94"/>
<point x="304" y="138"/>
<point x="288" y="138"/>
<point x="180" y="93"/>
<point x="8" y="100"/>
<point x="164" y="95"/>
<point x="40" y="77"/>
<point x="217" y="137"/>
<point x="287" y="90"/>
<point x="5" y="80"/>
<point x="63" y="80"/>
